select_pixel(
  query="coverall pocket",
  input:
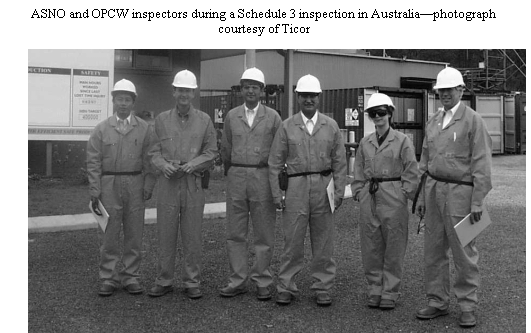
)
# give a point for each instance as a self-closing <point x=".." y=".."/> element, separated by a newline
<point x="295" y="152"/>
<point x="109" y="147"/>
<point x="166" y="143"/>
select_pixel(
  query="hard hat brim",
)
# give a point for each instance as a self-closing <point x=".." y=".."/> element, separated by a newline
<point x="184" y="86"/>
<point x="444" y="86"/>
<point x="308" y="91"/>
<point x="115" y="92"/>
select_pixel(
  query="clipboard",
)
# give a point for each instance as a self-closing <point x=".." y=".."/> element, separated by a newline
<point x="330" y="191"/>
<point x="103" y="219"/>
<point x="466" y="231"/>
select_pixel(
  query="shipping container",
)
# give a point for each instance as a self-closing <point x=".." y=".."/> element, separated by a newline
<point x="515" y="123"/>
<point x="216" y="103"/>
<point x="490" y="107"/>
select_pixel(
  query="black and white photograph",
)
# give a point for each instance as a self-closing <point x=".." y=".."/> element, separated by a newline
<point x="272" y="168"/>
<point x="194" y="203"/>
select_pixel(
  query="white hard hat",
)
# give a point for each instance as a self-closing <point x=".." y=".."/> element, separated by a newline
<point x="124" y="85"/>
<point x="253" y="74"/>
<point x="185" y="79"/>
<point x="378" y="99"/>
<point x="449" y="78"/>
<point x="308" y="83"/>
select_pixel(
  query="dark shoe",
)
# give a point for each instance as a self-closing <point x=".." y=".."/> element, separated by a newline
<point x="284" y="298"/>
<point x="106" y="290"/>
<point x="323" y="299"/>
<point x="430" y="312"/>
<point x="193" y="293"/>
<point x="229" y="291"/>
<point x="387" y="304"/>
<point x="374" y="301"/>
<point x="467" y="319"/>
<point x="263" y="294"/>
<point x="134" y="289"/>
<point x="159" y="290"/>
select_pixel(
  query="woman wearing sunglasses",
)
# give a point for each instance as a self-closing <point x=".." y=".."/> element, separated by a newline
<point x="385" y="176"/>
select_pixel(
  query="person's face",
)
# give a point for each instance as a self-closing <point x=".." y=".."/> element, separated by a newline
<point x="251" y="91"/>
<point x="450" y="96"/>
<point x="379" y="117"/>
<point x="123" y="104"/>
<point x="308" y="102"/>
<point x="183" y="96"/>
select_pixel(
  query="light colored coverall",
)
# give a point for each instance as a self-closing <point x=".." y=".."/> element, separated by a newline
<point x="461" y="151"/>
<point x="180" y="200"/>
<point x="306" y="198"/>
<point x="109" y="150"/>
<point x="384" y="226"/>
<point x="249" y="192"/>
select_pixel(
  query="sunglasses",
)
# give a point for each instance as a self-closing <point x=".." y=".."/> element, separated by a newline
<point x="380" y="113"/>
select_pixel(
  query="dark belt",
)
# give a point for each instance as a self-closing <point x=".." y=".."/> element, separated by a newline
<point x="373" y="188"/>
<point x="127" y="173"/>
<point x="241" y="165"/>
<point x="322" y="173"/>
<point x="437" y="178"/>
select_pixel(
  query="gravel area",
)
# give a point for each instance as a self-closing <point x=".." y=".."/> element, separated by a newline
<point x="63" y="281"/>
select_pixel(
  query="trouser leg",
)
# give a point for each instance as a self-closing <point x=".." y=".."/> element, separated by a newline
<point x="110" y="240"/>
<point x="237" y="224"/>
<point x="294" y="226"/>
<point x="167" y="229"/>
<point x="395" y="232"/>
<point x="263" y="219"/>
<point x="133" y="228"/>
<point x="191" y="232"/>
<point x="467" y="271"/>
<point x="372" y="252"/>
<point x="436" y="260"/>
<point x="323" y="267"/>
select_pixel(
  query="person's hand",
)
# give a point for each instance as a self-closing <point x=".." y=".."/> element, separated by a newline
<point x="188" y="168"/>
<point x="281" y="205"/>
<point x="338" y="202"/>
<point x="95" y="201"/>
<point x="357" y="196"/>
<point x="475" y="214"/>
<point x="169" y="170"/>
<point x="421" y="210"/>
<point x="147" y="195"/>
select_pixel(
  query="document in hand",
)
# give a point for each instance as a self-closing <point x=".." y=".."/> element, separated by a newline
<point x="103" y="219"/>
<point x="466" y="231"/>
<point x="330" y="192"/>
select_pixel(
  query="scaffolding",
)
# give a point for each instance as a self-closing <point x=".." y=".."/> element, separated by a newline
<point x="492" y="74"/>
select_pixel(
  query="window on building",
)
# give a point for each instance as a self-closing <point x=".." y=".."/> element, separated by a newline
<point x="143" y="59"/>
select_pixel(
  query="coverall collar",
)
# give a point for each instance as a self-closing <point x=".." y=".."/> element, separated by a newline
<point x="175" y="114"/>
<point x="260" y="114"/>
<point x="113" y="121"/>
<point x="300" y="120"/>
<point x="457" y="111"/>
<point x="373" y="139"/>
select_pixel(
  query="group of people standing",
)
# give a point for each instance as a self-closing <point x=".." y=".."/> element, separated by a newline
<point x="292" y="166"/>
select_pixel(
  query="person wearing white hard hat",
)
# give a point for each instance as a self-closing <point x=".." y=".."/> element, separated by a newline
<point x="248" y="133"/>
<point x="385" y="177"/>
<point x="184" y="146"/>
<point x="311" y="146"/>
<point x="121" y="177"/>
<point x="456" y="177"/>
